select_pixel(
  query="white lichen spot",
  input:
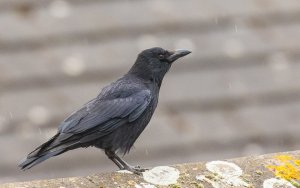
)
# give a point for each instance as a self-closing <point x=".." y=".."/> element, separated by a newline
<point x="124" y="172"/>
<point x="224" y="169"/>
<point x="144" y="185"/>
<point x="224" y="174"/>
<point x="162" y="175"/>
<point x="275" y="183"/>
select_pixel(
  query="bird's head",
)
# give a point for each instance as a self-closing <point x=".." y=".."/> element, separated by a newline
<point x="154" y="63"/>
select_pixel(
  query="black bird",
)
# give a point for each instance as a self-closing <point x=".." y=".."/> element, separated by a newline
<point x="117" y="116"/>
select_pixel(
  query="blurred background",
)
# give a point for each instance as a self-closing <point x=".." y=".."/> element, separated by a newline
<point x="237" y="94"/>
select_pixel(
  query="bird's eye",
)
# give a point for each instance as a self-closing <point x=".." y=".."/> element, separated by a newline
<point x="161" y="57"/>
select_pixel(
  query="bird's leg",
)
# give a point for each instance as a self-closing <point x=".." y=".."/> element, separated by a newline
<point x="123" y="165"/>
<point x="111" y="156"/>
<point x="135" y="169"/>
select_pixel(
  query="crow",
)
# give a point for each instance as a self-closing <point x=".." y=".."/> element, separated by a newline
<point x="117" y="116"/>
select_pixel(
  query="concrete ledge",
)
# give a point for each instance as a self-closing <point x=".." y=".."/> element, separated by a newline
<point x="267" y="171"/>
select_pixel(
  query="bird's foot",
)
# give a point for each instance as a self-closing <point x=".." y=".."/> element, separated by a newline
<point x="136" y="169"/>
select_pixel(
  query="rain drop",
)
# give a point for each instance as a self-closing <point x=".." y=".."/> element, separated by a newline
<point x="236" y="28"/>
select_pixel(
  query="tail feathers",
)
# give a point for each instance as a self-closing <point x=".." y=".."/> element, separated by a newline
<point x="27" y="163"/>
<point x="49" y="149"/>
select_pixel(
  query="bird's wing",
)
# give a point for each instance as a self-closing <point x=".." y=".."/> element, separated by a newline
<point x="102" y="114"/>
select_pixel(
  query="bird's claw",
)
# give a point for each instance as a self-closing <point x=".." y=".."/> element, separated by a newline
<point x="136" y="169"/>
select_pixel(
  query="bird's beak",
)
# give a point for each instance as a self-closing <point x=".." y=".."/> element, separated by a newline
<point x="177" y="54"/>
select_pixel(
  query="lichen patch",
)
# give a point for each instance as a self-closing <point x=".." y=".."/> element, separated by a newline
<point x="276" y="183"/>
<point x="287" y="167"/>
<point x="224" y="169"/>
<point x="224" y="174"/>
<point x="162" y="175"/>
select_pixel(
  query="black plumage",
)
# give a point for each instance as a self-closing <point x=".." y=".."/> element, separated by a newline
<point x="116" y="117"/>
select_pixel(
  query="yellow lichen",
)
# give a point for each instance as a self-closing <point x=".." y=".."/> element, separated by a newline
<point x="284" y="158"/>
<point x="289" y="167"/>
<point x="297" y="162"/>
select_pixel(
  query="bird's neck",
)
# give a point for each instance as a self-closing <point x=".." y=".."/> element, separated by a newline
<point x="151" y="79"/>
<point x="147" y="74"/>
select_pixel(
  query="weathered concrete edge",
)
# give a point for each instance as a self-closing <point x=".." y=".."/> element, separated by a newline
<point x="251" y="171"/>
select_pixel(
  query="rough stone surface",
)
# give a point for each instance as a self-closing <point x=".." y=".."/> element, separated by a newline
<point x="251" y="172"/>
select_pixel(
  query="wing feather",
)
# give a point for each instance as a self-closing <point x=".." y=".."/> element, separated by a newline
<point x="99" y="113"/>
